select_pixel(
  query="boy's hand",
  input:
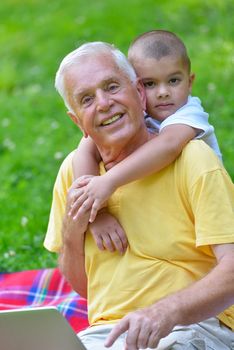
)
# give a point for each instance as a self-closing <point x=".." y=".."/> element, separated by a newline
<point x="92" y="194"/>
<point x="108" y="233"/>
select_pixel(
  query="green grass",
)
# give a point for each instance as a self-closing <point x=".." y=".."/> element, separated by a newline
<point x="36" y="134"/>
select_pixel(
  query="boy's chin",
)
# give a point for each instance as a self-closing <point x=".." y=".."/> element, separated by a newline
<point x="161" y="117"/>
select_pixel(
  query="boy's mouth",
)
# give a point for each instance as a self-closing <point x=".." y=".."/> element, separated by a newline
<point x="164" y="105"/>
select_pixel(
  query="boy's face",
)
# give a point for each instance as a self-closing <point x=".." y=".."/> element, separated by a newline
<point x="167" y="84"/>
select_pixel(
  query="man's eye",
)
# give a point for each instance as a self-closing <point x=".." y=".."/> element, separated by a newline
<point x="113" y="87"/>
<point x="149" y="84"/>
<point x="86" y="100"/>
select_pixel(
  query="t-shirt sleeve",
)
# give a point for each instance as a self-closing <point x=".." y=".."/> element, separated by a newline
<point x="213" y="209"/>
<point x="192" y="114"/>
<point x="53" y="238"/>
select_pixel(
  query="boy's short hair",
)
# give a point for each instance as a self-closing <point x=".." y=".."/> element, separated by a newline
<point x="157" y="44"/>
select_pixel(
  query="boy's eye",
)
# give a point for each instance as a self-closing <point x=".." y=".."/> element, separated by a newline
<point x="149" y="84"/>
<point x="174" y="81"/>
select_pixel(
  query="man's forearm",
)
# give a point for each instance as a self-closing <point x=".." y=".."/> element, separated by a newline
<point x="203" y="299"/>
<point x="209" y="296"/>
<point x="72" y="256"/>
<point x="72" y="265"/>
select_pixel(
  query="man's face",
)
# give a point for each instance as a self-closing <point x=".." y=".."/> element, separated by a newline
<point x="108" y="106"/>
<point x="167" y="84"/>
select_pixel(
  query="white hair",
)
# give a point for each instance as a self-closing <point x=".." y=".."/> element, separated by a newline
<point x="91" y="48"/>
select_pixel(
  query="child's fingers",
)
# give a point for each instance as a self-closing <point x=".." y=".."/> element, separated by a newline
<point x="117" y="243"/>
<point x="77" y="203"/>
<point x="86" y="206"/>
<point x="122" y="238"/>
<point x="94" y="210"/>
<point x="83" y="209"/>
<point x="74" y="194"/>
<point x="81" y="181"/>
<point x="107" y="241"/>
<point x="99" y="241"/>
<point x="119" y="240"/>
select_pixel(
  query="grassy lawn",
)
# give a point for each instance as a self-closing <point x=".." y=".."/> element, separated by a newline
<point x="36" y="134"/>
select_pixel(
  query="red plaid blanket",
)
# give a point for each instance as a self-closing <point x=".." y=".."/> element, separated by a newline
<point x="45" y="287"/>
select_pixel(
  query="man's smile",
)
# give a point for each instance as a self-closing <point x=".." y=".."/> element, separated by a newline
<point x="112" y="119"/>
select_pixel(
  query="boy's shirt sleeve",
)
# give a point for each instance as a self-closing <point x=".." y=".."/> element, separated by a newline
<point x="193" y="114"/>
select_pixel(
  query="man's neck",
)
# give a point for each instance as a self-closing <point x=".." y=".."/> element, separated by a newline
<point x="115" y="153"/>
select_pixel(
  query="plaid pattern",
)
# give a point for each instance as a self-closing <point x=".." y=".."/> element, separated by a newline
<point x="46" y="287"/>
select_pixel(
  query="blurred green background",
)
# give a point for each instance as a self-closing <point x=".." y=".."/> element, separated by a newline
<point x="36" y="134"/>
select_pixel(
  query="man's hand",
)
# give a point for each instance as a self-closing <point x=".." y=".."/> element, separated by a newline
<point x="92" y="194"/>
<point x="144" y="327"/>
<point x="73" y="231"/>
<point x="108" y="233"/>
<point x="73" y="193"/>
<point x="192" y="304"/>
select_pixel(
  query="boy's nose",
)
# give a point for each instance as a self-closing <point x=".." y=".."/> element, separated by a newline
<point x="162" y="92"/>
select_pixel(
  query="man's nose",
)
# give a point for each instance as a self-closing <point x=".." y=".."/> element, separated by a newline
<point x="163" y="91"/>
<point x="103" y="101"/>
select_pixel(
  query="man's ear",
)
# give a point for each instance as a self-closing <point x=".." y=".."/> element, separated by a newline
<point x="191" y="80"/>
<point x="76" y="120"/>
<point x="141" y="92"/>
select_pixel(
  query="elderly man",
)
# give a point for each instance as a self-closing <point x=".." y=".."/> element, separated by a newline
<point x="174" y="286"/>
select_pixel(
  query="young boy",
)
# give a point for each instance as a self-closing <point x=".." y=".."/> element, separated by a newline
<point x="162" y="63"/>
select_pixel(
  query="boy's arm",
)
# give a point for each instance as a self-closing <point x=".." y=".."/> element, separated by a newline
<point x="151" y="157"/>
<point x="106" y="230"/>
<point x="108" y="233"/>
<point x="86" y="159"/>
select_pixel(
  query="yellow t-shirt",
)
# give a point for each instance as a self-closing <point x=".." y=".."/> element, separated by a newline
<point x="170" y="219"/>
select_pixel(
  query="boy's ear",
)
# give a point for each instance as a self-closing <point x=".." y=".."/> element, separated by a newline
<point x="76" y="120"/>
<point x="191" y="80"/>
<point x="141" y="92"/>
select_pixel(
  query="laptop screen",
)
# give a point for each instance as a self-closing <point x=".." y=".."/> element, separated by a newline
<point x="42" y="328"/>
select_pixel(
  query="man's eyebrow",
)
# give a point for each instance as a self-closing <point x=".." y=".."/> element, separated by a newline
<point x="110" y="80"/>
<point x="81" y="92"/>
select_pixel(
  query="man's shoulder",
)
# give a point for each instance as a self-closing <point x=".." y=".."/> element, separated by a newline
<point x="199" y="147"/>
<point x="198" y="154"/>
<point x="65" y="173"/>
<point x="196" y="163"/>
<point x="67" y="161"/>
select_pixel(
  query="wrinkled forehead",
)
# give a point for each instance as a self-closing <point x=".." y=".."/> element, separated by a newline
<point x="90" y="71"/>
<point x="87" y="62"/>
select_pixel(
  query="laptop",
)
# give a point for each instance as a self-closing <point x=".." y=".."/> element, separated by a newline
<point x="42" y="328"/>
